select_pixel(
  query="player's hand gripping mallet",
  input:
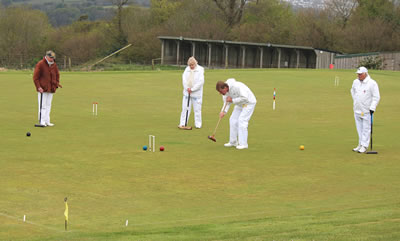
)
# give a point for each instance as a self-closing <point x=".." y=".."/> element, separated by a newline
<point x="212" y="137"/>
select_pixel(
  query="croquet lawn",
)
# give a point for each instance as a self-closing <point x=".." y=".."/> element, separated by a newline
<point x="196" y="189"/>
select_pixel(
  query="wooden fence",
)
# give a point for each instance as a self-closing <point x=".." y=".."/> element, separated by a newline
<point x="391" y="60"/>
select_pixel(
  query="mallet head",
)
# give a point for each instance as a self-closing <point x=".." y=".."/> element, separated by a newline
<point x="212" y="138"/>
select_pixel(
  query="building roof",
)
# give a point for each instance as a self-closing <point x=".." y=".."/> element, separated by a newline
<point x="237" y="43"/>
<point x="356" y="55"/>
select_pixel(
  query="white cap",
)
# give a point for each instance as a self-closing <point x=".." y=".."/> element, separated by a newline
<point x="362" y="70"/>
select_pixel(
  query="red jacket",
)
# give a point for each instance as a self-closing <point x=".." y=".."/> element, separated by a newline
<point x="45" y="76"/>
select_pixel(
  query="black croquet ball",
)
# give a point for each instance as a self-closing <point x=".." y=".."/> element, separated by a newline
<point x="28" y="134"/>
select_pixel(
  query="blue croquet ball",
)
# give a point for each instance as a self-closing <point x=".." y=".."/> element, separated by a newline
<point x="28" y="134"/>
<point x="144" y="148"/>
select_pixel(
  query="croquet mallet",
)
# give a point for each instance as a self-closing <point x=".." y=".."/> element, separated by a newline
<point x="186" y="127"/>
<point x="212" y="137"/>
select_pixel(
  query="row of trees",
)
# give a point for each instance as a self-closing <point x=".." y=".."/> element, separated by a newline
<point x="349" y="26"/>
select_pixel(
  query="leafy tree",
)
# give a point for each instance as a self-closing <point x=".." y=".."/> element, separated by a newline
<point x="374" y="26"/>
<point x="350" y="26"/>
<point x="141" y="34"/>
<point x="121" y="37"/>
<point x="23" y="34"/>
<point x="314" y="28"/>
<point x="162" y="10"/>
<point x="267" y="21"/>
<point x="369" y="35"/>
<point x="136" y="20"/>
<point x="384" y="9"/>
<point x="196" y="19"/>
<point x="82" y="41"/>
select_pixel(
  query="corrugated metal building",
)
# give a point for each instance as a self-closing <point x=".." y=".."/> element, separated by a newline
<point x="230" y="54"/>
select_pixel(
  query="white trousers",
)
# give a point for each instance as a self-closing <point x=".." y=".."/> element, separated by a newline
<point x="196" y="102"/>
<point x="238" y="122"/>
<point x="363" y="125"/>
<point x="44" y="113"/>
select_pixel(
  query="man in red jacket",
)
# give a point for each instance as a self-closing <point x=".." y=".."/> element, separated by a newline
<point x="46" y="79"/>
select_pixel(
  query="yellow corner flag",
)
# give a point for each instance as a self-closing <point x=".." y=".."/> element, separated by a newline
<point x="66" y="213"/>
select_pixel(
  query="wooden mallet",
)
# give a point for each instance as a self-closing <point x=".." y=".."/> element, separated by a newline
<point x="212" y="137"/>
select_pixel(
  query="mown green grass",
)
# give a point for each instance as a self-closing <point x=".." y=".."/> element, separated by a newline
<point x="197" y="189"/>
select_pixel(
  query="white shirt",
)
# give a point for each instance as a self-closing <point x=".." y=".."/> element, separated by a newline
<point x="196" y="84"/>
<point x="240" y="94"/>
<point x="365" y="95"/>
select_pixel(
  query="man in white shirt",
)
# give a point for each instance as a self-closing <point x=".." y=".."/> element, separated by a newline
<point x="193" y="81"/>
<point x="365" y="93"/>
<point x="235" y="92"/>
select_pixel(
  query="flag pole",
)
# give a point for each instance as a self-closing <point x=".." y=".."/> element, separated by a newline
<point x="273" y="103"/>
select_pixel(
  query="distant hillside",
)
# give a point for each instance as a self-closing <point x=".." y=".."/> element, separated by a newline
<point x="65" y="12"/>
<point x="82" y="2"/>
<point x="306" y="3"/>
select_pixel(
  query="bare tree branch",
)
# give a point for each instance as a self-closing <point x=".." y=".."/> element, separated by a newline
<point x="232" y="10"/>
<point x="342" y="9"/>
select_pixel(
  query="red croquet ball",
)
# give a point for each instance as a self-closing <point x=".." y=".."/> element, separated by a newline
<point x="162" y="148"/>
